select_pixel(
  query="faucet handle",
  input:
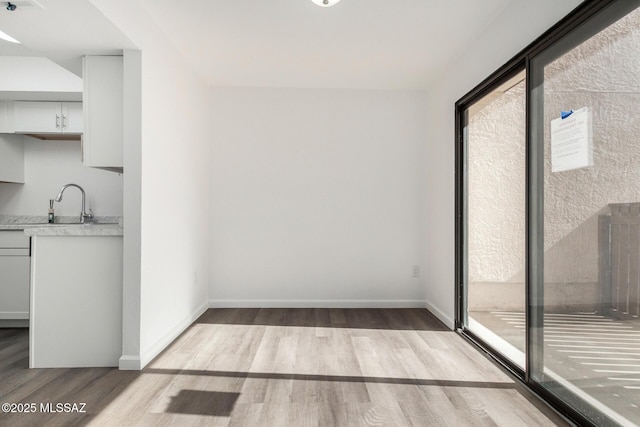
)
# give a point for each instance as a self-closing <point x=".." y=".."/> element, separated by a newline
<point x="88" y="216"/>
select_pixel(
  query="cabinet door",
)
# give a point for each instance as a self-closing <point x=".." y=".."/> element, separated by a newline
<point x="102" y="101"/>
<point x="14" y="287"/>
<point x="6" y="117"/>
<point x="37" y="117"/>
<point x="72" y="117"/>
<point x="11" y="160"/>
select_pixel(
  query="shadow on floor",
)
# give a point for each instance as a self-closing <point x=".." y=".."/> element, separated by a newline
<point x="198" y="402"/>
<point x="334" y="378"/>
<point x="414" y="319"/>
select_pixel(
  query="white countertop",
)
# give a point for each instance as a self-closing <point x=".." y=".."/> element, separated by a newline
<point x="34" y="228"/>
<point x="73" y="230"/>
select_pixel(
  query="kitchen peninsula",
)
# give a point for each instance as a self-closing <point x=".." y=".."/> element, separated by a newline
<point x="75" y="304"/>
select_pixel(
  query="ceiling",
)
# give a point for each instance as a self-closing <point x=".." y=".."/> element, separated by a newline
<point x="379" y="44"/>
<point x="360" y="44"/>
<point x="63" y="31"/>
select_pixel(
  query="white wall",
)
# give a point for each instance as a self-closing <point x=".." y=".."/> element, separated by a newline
<point x="317" y="196"/>
<point x="175" y="193"/>
<point x="48" y="165"/>
<point x="36" y="74"/>
<point x="520" y="23"/>
<point x="171" y="182"/>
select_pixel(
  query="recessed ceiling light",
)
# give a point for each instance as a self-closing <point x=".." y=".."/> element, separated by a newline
<point x="325" y="3"/>
<point x="7" y="37"/>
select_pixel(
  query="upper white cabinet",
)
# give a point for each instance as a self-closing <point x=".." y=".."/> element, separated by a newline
<point x="47" y="117"/>
<point x="6" y="117"/>
<point x="11" y="158"/>
<point x="73" y="117"/>
<point x="103" y="112"/>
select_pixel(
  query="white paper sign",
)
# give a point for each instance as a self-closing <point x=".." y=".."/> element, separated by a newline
<point x="572" y="141"/>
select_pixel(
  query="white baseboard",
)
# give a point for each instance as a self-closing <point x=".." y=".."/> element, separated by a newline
<point x="136" y="363"/>
<point x="129" y="363"/>
<point x="164" y="342"/>
<point x="442" y="316"/>
<point x="227" y="303"/>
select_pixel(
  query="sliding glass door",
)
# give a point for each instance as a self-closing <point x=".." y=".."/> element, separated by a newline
<point x="495" y="217"/>
<point x="586" y="125"/>
<point x="549" y="215"/>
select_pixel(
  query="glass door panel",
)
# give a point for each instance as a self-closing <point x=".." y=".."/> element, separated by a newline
<point x="585" y="300"/>
<point x="494" y="209"/>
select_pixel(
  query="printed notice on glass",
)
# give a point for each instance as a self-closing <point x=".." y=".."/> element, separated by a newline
<point x="572" y="141"/>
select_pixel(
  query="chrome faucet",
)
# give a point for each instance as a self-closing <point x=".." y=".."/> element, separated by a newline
<point x="83" y="214"/>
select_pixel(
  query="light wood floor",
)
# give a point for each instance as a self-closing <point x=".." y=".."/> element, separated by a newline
<point x="279" y="367"/>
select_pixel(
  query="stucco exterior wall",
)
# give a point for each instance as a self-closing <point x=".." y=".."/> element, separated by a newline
<point x="496" y="188"/>
<point x="602" y="74"/>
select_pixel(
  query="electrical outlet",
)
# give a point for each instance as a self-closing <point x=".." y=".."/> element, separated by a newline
<point x="415" y="272"/>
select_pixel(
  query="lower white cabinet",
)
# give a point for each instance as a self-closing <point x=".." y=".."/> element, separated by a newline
<point x="76" y="301"/>
<point x="15" y="265"/>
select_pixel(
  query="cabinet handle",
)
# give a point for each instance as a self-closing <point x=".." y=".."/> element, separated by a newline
<point x="57" y="121"/>
<point x="64" y="125"/>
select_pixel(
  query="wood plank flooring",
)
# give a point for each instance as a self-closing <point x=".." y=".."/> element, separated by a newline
<point x="284" y="367"/>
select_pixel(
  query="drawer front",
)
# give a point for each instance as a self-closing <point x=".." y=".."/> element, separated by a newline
<point x="13" y="239"/>
<point x="14" y="252"/>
